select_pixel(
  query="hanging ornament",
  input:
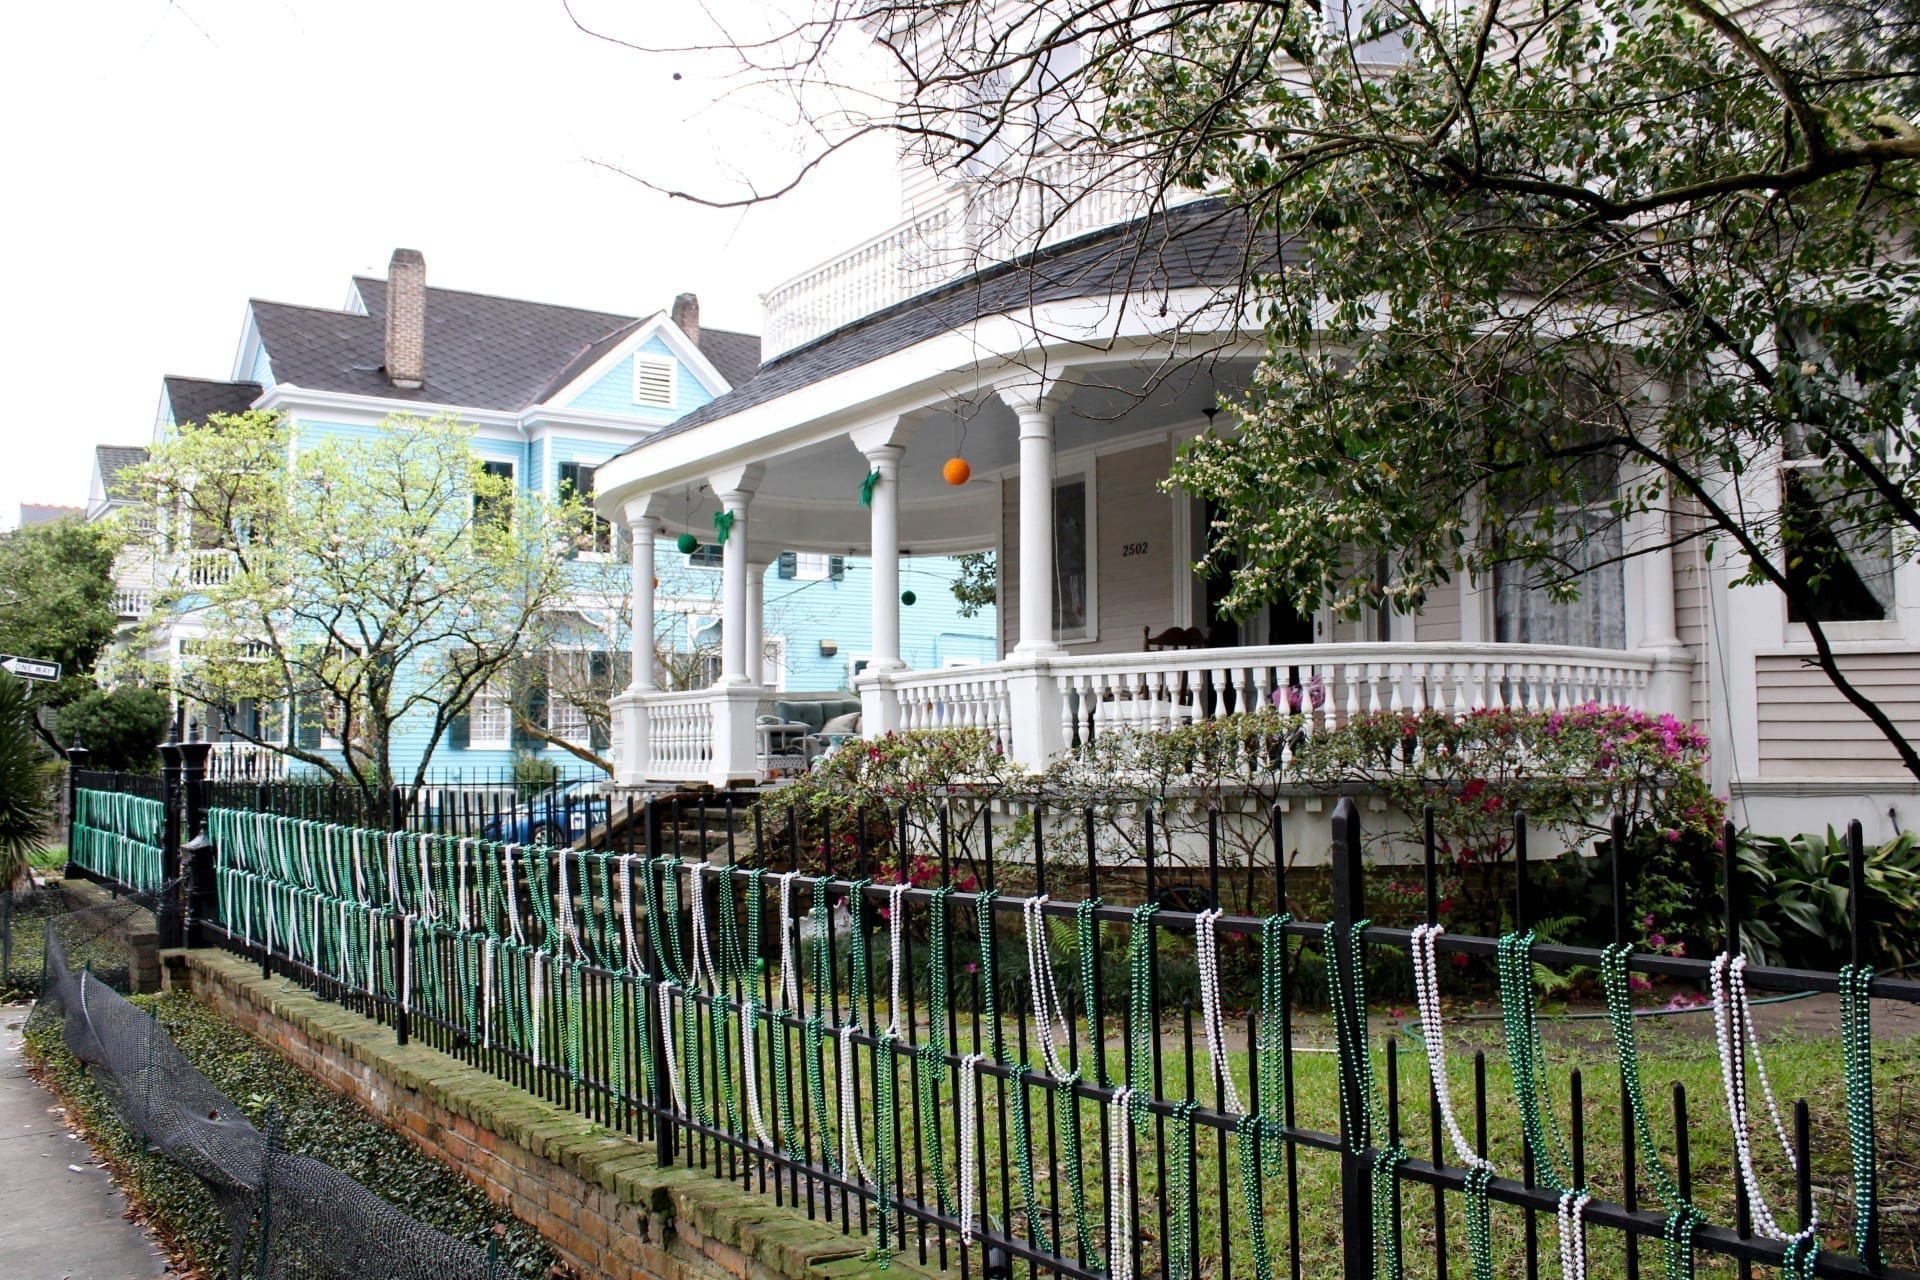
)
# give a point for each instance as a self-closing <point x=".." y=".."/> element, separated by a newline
<point x="687" y="543"/>
<point x="907" y="597"/>
<point x="722" y="525"/>
<point x="957" y="472"/>
<point x="866" y="488"/>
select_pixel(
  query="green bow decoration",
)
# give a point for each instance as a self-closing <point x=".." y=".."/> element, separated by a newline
<point x="866" y="488"/>
<point x="722" y="525"/>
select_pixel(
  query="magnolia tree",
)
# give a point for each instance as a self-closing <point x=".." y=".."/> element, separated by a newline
<point x="368" y="582"/>
<point x="1540" y="287"/>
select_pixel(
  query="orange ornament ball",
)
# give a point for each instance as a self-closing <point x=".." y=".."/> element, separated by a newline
<point x="957" y="471"/>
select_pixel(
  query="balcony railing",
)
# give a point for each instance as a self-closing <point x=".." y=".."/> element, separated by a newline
<point x="245" y="762"/>
<point x="978" y="225"/>
<point x="200" y="569"/>
<point x="133" y="602"/>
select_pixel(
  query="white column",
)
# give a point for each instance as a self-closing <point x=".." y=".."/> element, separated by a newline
<point x="755" y="638"/>
<point x="886" y="557"/>
<point x="1671" y="688"/>
<point x="733" y="592"/>
<point x="1035" y="404"/>
<point x="644" y="531"/>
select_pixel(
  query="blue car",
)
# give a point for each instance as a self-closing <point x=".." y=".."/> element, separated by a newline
<point x="557" y="816"/>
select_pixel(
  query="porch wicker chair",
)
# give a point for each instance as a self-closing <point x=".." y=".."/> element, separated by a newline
<point x="1173" y="638"/>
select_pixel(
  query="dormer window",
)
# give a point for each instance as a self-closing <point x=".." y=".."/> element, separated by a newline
<point x="653" y="381"/>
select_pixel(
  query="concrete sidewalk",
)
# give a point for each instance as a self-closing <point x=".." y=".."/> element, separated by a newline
<point x="61" y="1218"/>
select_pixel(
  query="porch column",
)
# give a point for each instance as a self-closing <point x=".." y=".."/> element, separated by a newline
<point x="735" y="700"/>
<point x="1671" y="688"/>
<point x="629" y="707"/>
<point x="1032" y="693"/>
<point x="885" y="461"/>
<point x="733" y="590"/>
<point x="644" y="531"/>
<point x="1035" y="404"/>
<point x="755" y="638"/>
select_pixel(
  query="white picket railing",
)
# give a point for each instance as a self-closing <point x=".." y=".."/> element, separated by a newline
<point x="953" y="698"/>
<point x="900" y="262"/>
<point x="132" y="602"/>
<point x="679" y="734"/>
<point x="245" y="761"/>
<point x="1331" y="684"/>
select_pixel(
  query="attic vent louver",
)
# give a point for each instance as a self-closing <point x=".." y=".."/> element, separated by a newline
<point x="653" y="382"/>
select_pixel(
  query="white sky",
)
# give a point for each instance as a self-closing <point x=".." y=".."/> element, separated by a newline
<point x="165" y="160"/>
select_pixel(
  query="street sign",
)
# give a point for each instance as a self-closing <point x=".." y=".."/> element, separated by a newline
<point x="29" y="668"/>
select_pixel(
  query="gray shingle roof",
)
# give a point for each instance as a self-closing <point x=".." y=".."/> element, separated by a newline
<point x="483" y="352"/>
<point x="197" y="399"/>
<point x="1202" y="243"/>
<point x="110" y="460"/>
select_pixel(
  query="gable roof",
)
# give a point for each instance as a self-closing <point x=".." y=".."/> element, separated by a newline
<point x="1198" y="244"/>
<point x="109" y="460"/>
<point x="32" y="513"/>
<point x="483" y="351"/>
<point x="197" y="399"/>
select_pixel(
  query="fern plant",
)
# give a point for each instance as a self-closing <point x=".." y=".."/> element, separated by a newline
<point x="1797" y="889"/>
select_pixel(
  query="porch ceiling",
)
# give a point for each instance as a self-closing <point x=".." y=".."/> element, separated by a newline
<point x="808" y="498"/>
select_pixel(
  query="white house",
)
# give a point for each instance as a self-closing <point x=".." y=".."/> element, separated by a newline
<point x="1066" y="357"/>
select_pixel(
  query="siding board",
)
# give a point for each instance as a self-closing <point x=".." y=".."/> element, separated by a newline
<point x="1807" y="729"/>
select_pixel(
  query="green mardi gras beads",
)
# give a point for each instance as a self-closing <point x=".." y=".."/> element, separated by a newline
<point x="1684" y="1217"/>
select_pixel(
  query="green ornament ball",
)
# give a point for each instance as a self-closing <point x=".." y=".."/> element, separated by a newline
<point x="907" y="597"/>
<point x="687" y="543"/>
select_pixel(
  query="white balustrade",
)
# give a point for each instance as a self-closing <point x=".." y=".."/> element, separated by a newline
<point x="953" y="698"/>
<point x="207" y="568"/>
<point x="245" y="762"/>
<point x="679" y="734"/>
<point x="133" y="602"/>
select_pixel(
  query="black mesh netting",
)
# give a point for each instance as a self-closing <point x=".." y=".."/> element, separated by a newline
<point x="291" y="1218"/>
<point x="94" y="937"/>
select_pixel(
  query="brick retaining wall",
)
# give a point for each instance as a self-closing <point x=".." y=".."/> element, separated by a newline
<point x="598" y="1197"/>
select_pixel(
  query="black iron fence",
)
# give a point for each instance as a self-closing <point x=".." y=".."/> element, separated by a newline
<point x="1065" y="1061"/>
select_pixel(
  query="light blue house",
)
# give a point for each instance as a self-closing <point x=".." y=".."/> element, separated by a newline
<point x="551" y="392"/>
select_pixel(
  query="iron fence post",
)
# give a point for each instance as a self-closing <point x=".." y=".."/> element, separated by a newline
<point x="76" y="761"/>
<point x="166" y="912"/>
<point x="1356" y="1157"/>
<point x="198" y="891"/>
<point x="662" y="1114"/>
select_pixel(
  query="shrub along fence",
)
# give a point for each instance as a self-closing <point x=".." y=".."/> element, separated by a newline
<point x="975" y="1058"/>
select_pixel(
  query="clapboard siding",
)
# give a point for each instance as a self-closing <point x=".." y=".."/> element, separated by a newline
<point x="1439" y="621"/>
<point x="1136" y="591"/>
<point x="1808" y="730"/>
<point x="1692" y="615"/>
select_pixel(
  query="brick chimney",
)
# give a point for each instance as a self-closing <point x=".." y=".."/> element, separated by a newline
<point x="406" y="351"/>
<point x="686" y="314"/>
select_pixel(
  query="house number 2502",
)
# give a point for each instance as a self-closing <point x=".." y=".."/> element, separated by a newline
<point x="1133" y="549"/>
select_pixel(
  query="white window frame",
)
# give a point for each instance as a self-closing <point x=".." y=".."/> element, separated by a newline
<point x="555" y="726"/>
<point x="811" y="566"/>
<point x="643" y="393"/>
<point x="707" y="549"/>
<point x="494" y="693"/>
<point x="1067" y="469"/>
<point x="1891" y="627"/>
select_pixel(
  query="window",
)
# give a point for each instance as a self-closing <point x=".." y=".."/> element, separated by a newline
<point x="708" y="555"/>
<point x="490" y="719"/>
<point x="576" y="485"/>
<point x="569" y="670"/>
<point x="495" y="509"/>
<point x="653" y="381"/>
<point x="1524" y="613"/>
<point x="1071" y="583"/>
<point x="1838" y="572"/>
<point x="808" y="566"/>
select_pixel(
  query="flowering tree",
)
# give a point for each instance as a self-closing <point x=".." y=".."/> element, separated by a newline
<point x="361" y="582"/>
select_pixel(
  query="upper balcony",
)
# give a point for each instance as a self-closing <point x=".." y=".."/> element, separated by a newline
<point x="976" y="225"/>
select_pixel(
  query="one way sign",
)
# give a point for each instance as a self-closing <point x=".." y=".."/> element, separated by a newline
<point x="29" y="668"/>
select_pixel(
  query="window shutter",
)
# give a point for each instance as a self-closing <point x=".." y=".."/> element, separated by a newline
<point x="599" y="670"/>
<point x="460" y="729"/>
<point x="836" y="567"/>
<point x="306" y="721"/>
<point x="789" y="564"/>
<point x="536" y="707"/>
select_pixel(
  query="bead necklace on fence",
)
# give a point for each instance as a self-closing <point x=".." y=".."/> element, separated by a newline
<point x="851" y="1155"/>
<point x="886" y="1153"/>
<point x="1856" y="1050"/>
<point x="969" y="1125"/>
<point x="697" y="914"/>
<point x="933" y="1053"/>
<point x="896" y="953"/>
<point x="1180" y="1159"/>
<point x="790" y="988"/>
<point x="1207" y="959"/>
<point x="989" y="973"/>
<point x="1140" y="1026"/>
<point x="1733" y="1020"/>
<point x="1426" y="989"/>
<point x="752" y="968"/>
<point x="1357" y="1060"/>
<point x="1086" y="936"/>
<point x="814" y="1029"/>
<point x="1049" y="1013"/>
<point x="1120" y="1186"/>
<point x="1553" y="1163"/>
<point x="1271" y="1062"/>
<point x="1683" y="1219"/>
<point x="1023" y="1158"/>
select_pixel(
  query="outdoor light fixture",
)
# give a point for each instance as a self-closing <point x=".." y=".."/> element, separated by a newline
<point x="828" y="648"/>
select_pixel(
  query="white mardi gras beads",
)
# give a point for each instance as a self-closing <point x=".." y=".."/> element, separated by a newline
<point x="852" y="1156"/>
<point x="1426" y="989"/>
<point x="749" y="1065"/>
<point x="1049" y="1015"/>
<point x="1207" y="956"/>
<point x="1120" y="1186"/>
<point x="1571" y="1221"/>
<point x="897" y="952"/>
<point x="667" y="1043"/>
<point x="697" y="910"/>
<point x="1733" y="1015"/>
<point x="789" y="971"/>
<point x="626" y="912"/>
<point x="969" y="1124"/>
